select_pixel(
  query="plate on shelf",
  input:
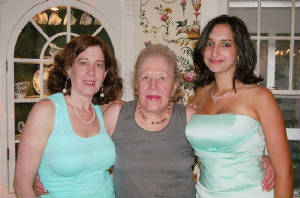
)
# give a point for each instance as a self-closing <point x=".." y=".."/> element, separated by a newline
<point x="37" y="82"/>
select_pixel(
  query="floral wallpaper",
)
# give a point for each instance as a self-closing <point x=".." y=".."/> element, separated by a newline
<point x="174" y="23"/>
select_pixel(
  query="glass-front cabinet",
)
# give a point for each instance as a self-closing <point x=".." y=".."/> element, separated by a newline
<point x="38" y="42"/>
<point x="275" y="31"/>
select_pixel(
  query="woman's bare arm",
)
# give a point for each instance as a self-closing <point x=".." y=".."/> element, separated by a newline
<point x="34" y="139"/>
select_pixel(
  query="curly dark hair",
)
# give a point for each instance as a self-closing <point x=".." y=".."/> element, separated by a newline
<point x="65" y="58"/>
<point x="247" y="56"/>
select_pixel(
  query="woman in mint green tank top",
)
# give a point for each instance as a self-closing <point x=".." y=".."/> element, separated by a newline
<point x="65" y="140"/>
<point x="235" y="117"/>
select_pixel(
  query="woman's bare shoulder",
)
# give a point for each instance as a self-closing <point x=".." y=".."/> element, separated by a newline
<point x="201" y="92"/>
<point x="43" y="108"/>
<point x="259" y="92"/>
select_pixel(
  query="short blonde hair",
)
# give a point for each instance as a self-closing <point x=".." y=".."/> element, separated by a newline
<point x="164" y="52"/>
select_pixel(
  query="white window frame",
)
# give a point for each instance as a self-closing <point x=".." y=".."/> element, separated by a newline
<point x="292" y="133"/>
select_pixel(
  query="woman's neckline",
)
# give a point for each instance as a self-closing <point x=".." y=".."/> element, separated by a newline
<point x="227" y="114"/>
<point x="156" y="131"/>
<point x="70" y="123"/>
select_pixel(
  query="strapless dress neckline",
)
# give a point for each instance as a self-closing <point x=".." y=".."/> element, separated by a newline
<point x="229" y="147"/>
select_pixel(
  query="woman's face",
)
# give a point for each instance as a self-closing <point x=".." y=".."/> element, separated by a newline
<point x="220" y="53"/>
<point x="88" y="72"/>
<point x="156" y="84"/>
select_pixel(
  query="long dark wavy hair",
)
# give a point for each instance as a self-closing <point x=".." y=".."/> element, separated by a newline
<point x="247" y="56"/>
<point x="112" y="83"/>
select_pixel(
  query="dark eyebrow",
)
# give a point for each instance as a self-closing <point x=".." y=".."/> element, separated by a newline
<point x="227" y="40"/>
<point x="101" y="61"/>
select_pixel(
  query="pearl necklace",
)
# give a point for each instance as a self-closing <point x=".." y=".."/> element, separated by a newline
<point x="216" y="98"/>
<point x="78" y="115"/>
<point x="165" y="117"/>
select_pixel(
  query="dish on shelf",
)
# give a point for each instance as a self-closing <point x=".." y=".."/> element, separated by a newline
<point x="36" y="81"/>
<point x="21" y="89"/>
<point x="18" y="137"/>
<point x="21" y="126"/>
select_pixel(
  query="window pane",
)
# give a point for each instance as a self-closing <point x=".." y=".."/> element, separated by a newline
<point x="51" y="21"/>
<point x="297" y="19"/>
<point x="248" y="15"/>
<point x="263" y="61"/>
<point x="294" y="148"/>
<point x="85" y="23"/>
<point x="38" y="84"/>
<point x="296" y="71"/>
<point x="24" y="72"/>
<point x="282" y="56"/>
<point x="53" y="48"/>
<point x="290" y="107"/>
<point x="272" y="16"/>
<point x="29" y="43"/>
<point x="21" y="113"/>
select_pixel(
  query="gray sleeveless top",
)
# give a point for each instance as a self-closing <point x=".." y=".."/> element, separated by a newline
<point x="152" y="164"/>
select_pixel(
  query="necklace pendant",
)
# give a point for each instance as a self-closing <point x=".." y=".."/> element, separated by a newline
<point x="78" y="114"/>
<point x="165" y="117"/>
<point x="216" y="98"/>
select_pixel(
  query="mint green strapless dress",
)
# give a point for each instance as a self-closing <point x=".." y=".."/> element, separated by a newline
<point x="229" y="148"/>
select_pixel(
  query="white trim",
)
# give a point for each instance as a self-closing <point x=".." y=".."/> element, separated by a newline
<point x="291" y="58"/>
<point x="3" y="107"/>
<point x="293" y="134"/>
<point x="264" y="4"/>
<point x="32" y="61"/>
<point x="271" y="64"/>
<point x="287" y="92"/>
<point x="275" y="37"/>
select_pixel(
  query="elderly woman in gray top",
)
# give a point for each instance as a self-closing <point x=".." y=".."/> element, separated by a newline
<point x="153" y="156"/>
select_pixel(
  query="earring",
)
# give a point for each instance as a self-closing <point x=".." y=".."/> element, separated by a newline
<point x="65" y="88"/>
<point x="102" y="92"/>
<point x="238" y="59"/>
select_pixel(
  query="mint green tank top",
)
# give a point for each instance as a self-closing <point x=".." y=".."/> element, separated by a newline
<point x="229" y="148"/>
<point x="73" y="166"/>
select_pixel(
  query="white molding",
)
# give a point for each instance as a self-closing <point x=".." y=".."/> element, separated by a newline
<point x="286" y="92"/>
<point x="3" y="108"/>
<point x="131" y="22"/>
<point x="271" y="64"/>
<point x="293" y="134"/>
<point x="264" y="4"/>
<point x="210" y="9"/>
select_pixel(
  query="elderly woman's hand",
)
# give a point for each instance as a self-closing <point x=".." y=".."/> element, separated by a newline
<point x="193" y="106"/>
<point x="269" y="180"/>
<point x="38" y="187"/>
<point x="104" y="107"/>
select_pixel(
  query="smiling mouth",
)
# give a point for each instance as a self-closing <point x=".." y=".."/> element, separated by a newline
<point x="153" y="97"/>
<point x="215" y="61"/>
<point x="90" y="83"/>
